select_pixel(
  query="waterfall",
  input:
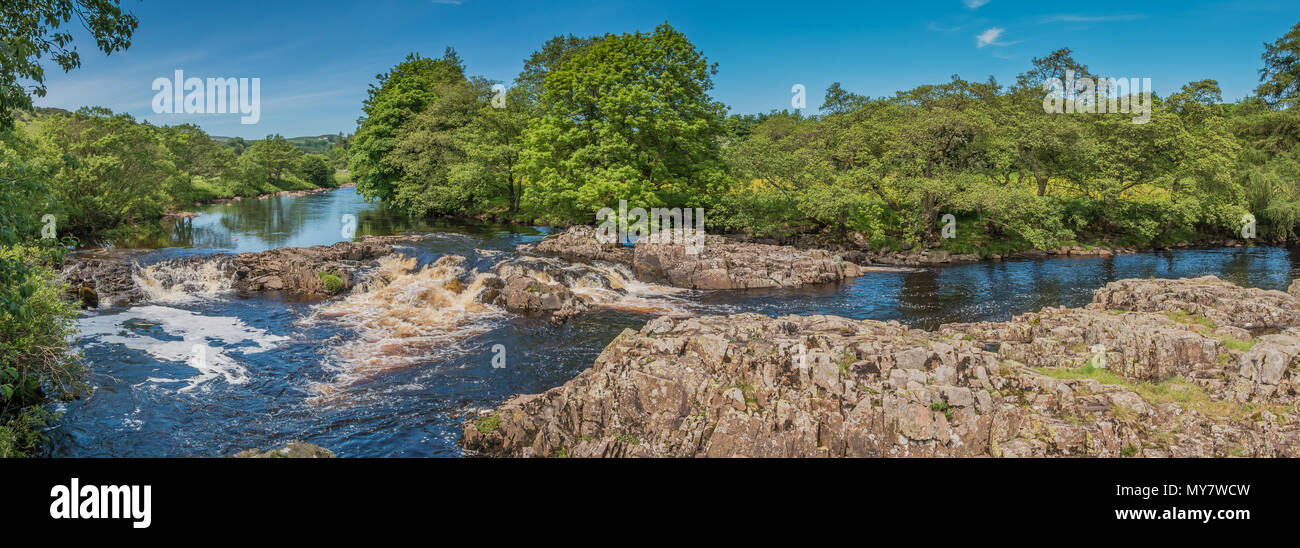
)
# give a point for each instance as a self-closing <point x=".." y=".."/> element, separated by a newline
<point x="178" y="281"/>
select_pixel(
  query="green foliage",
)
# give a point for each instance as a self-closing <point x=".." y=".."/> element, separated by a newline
<point x="103" y="173"/>
<point x="592" y="121"/>
<point x="36" y="29"/>
<point x="332" y="283"/>
<point x="426" y="151"/>
<point x="625" y="117"/>
<point x="315" y="169"/>
<point x="488" y="424"/>
<point x="1238" y="345"/>
<point x="269" y="161"/>
<point x="1280" y="77"/>
<point x="942" y="407"/>
<point x="401" y="93"/>
<point x="36" y="364"/>
<point x="106" y="170"/>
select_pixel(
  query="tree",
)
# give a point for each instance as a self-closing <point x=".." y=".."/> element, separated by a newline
<point x="268" y="160"/>
<point x="108" y="170"/>
<point x="425" y="149"/>
<point x="1280" y="77"/>
<point x="530" y="84"/>
<point x="401" y="93"/>
<point x="627" y="117"/>
<point x="1046" y="145"/>
<point x="1054" y="65"/>
<point x="194" y="152"/>
<point x="315" y="169"/>
<point x="490" y="144"/>
<point x="839" y="101"/>
<point x="236" y="144"/>
<point x="32" y="29"/>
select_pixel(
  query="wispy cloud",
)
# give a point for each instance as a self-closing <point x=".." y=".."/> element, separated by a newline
<point x="1073" y="18"/>
<point x="989" y="37"/>
<point x="974" y="4"/>
<point x="936" y="27"/>
<point x="453" y="2"/>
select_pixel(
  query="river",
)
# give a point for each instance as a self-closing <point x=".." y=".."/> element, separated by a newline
<point x="208" y="372"/>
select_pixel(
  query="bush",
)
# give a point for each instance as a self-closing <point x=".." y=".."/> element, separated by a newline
<point x="332" y="283"/>
<point x="107" y="170"/>
<point x="36" y="364"/>
<point x="314" y="169"/>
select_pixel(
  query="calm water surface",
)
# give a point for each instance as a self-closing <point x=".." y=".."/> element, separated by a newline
<point x="264" y="360"/>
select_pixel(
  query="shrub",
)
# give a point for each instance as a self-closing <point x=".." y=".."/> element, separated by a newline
<point x="332" y="283"/>
<point x="36" y="364"/>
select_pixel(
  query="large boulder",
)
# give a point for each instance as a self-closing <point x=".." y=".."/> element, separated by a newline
<point x="725" y="264"/>
<point x="101" y="277"/>
<point x="580" y="244"/>
<point x="717" y="263"/>
<point x="1209" y="297"/>
<point x="552" y="287"/>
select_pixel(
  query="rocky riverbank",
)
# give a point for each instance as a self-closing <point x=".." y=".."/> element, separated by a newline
<point x="1154" y="368"/>
<point x="737" y="261"/>
<point x="113" y="277"/>
<point x="856" y="248"/>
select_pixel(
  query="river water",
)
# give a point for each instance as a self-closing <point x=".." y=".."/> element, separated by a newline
<point x="207" y="372"/>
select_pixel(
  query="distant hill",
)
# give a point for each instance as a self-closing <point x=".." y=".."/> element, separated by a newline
<point x="319" y="144"/>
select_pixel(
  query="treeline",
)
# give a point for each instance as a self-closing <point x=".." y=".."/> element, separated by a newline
<point x="104" y="173"/>
<point x="590" y="121"/>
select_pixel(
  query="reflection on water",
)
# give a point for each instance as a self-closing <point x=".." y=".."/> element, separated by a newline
<point x="314" y="219"/>
<point x="996" y="291"/>
<point x="269" y="357"/>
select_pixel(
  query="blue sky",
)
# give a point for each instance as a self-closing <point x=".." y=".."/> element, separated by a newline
<point x="316" y="59"/>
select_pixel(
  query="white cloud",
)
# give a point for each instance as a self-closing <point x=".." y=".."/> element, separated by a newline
<point x="974" y="4"/>
<point x="989" y="37"/>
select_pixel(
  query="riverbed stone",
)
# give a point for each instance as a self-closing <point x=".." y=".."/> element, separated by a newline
<point x="292" y="450"/>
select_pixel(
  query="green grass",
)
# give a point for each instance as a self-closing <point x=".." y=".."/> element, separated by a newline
<point x="488" y="424"/>
<point x="1182" y="317"/>
<point x="1175" y="390"/>
<point x="1238" y="345"/>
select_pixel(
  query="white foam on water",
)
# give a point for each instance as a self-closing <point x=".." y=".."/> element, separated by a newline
<point x="404" y="316"/>
<point x="179" y="283"/>
<point x="632" y="295"/>
<point x="205" y="342"/>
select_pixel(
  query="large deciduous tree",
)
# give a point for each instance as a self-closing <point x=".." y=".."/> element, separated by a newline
<point x="625" y="117"/>
<point x="399" y="96"/>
